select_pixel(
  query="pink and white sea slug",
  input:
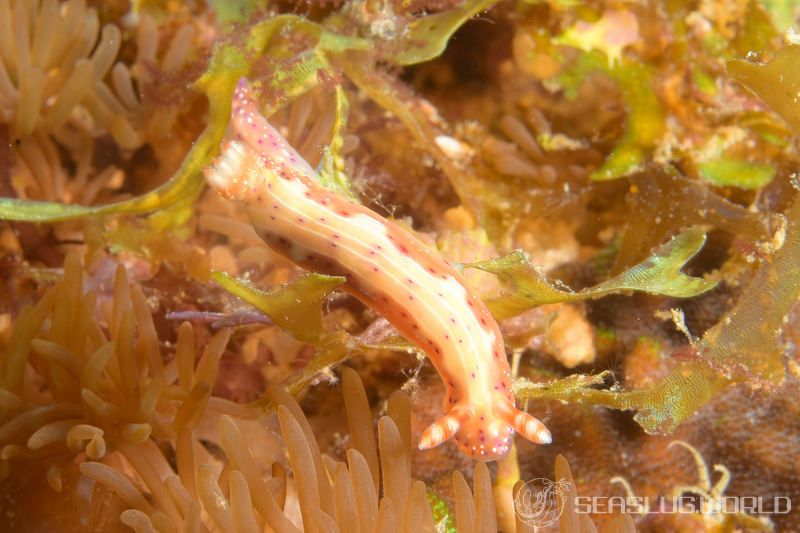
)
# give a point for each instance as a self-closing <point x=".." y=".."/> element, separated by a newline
<point x="388" y="269"/>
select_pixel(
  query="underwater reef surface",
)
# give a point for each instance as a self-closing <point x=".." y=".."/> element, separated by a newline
<point x="616" y="181"/>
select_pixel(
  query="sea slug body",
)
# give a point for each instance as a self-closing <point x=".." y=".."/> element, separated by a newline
<point x="388" y="269"/>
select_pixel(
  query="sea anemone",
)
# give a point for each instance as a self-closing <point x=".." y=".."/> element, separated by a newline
<point x="59" y="93"/>
<point x="85" y="384"/>
<point x="137" y="426"/>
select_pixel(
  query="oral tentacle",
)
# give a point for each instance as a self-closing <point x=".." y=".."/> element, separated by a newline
<point x="529" y="427"/>
<point x="441" y="430"/>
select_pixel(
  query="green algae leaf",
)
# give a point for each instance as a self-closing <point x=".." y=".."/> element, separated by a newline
<point x="660" y="407"/>
<point x="744" y="344"/>
<point x="557" y="4"/>
<point x="776" y="82"/>
<point x="757" y="33"/>
<point x="737" y="173"/>
<point x="34" y="211"/>
<point x="660" y="201"/>
<point x="295" y="307"/>
<point x="659" y="274"/>
<point x="426" y="37"/>
<point x="332" y="349"/>
<point x="442" y="515"/>
<point x="336" y="43"/>
<point x="561" y="388"/>
<point x="746" y="338"/>
<point x="611" y="34"/>
<point x="233" y="11"/>
<point x="331" y="168"/>
<point x="299" y="78"/>
<point x="782" y="13"/>
<point x="645" y="123"/>
<point x="704" y="82"/>
<point x="303" y="71"/>
<point x="602" y="43"/>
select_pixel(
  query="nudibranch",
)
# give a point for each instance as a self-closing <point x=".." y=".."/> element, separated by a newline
<point x="388" y="269"/>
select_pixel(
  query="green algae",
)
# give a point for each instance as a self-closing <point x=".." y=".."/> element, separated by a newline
<point x="744" y="344"/>
<point x="332" y="167"/>
<point x="296" y="307"/>
<point x="422" y="39"/>
<point x="737" y="173"/>
<point x="659" y="274"/>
